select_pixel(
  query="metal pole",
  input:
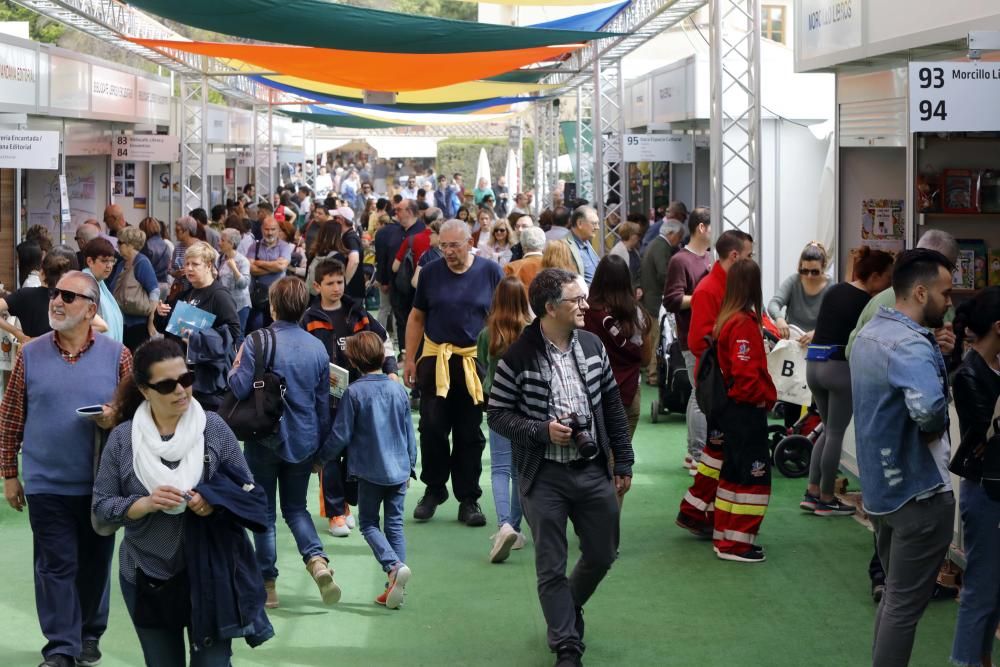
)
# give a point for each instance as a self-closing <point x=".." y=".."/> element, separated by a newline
<point x="598" y="138"/>
<point x="204" y="144"/>
<point x="579" y="139"/>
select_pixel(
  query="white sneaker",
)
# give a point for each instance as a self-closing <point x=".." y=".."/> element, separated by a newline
<point x="397" y="587"/>
<point x="349" y="518"/>
<point x="502" y="543"/>
<point x="338" y="526"/>
<point x="519" y="542"/>
<point x="693" y="471"/>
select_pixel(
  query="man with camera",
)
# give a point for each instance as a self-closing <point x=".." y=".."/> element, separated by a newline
<point x="555" y="398"/>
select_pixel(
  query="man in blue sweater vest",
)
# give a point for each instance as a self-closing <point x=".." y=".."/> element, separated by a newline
<point x="67" y="368"/>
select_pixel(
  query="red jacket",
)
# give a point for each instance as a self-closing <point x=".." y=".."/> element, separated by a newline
<point x="743" y="361"/>
<point x="706" y="302"/>
<point x="421" y="242"/>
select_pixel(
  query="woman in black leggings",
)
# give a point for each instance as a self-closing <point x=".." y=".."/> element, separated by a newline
<point x="829" y="376"/>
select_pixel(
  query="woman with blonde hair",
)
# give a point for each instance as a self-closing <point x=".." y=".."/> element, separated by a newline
<point x="138" y="270"/>
<point x="499" y="245"/>
<point x="508" y="317"/>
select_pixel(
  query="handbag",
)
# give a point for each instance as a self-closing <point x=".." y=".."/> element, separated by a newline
<point x="256" y="417"/>
<point x="162" y="604"/>
<point x="130" y="295"/>
<point x="260" y="299"/>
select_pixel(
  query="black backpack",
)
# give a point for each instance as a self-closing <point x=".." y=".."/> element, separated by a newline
<point x="403" y="280"/>
<point x="257" y="416"/>
<point x="711" y="389"/>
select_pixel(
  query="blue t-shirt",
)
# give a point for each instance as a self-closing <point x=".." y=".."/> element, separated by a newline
<point x="281" y="250"/>
<point x="456" y="304"/>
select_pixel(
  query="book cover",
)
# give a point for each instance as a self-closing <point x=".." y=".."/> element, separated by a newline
<point x="994" y="278"/>
<point x="964" y="275"/>
<point x="339" y="379"/>
<point x="185" y="319"/>
<point x="980" y="260"/>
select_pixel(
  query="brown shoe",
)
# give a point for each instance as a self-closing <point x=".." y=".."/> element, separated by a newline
<point x="272" y="594"/>
<point x="319" y="569"/>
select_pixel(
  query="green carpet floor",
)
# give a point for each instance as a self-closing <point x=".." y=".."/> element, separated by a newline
<point x="667" y="601"/>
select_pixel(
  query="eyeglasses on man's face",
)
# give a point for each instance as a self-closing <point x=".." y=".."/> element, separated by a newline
<point x="580" y="301"/>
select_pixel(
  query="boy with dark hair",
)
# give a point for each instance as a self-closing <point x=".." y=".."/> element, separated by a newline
<point x="333" y="319"/>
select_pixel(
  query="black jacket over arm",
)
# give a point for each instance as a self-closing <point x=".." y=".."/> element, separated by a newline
<point x="975" y="388"/>
<point x="518" y="406"/>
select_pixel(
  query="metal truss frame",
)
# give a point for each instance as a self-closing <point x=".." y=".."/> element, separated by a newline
<point x="194" y="142"/>
<point x="547" y="147"/>
<point x="585" y="141"/>
<point x="610" y="179"/>
<point x="735" y="163"/>
<point x="263" y="146"/>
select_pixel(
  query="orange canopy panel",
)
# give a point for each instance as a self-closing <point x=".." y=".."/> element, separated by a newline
<point x="371" y="71"/>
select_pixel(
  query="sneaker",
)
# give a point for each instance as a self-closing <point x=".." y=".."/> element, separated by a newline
<point x="519" y="542"/>
<point x="693" y="471"/>
<point x="426" y="507"/>
<point x="398" y="578"/>
<point x="381" y="598"/>
<point x="689" y="463"/>
<point x="749" y="556"/>
<point x="351" y="523"/>
<point x="877" y="591"/>
<point x="338" y="526"/>
<point x="471" y="514"/>
<point x="503" y="542"/>
<point x="58" y="660"/>
<point x="568" y="657"/>
<point x="321" y="573"/>
<point x="808" y="502"/>
<point x="942" y="592"/>
<point x="271" y="588"/>
<point x="697" y="529"/>
<point x="90" y="654"/>
<point x="833" y="508"/>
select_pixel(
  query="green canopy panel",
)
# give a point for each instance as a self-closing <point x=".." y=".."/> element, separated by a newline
<point x="519" y="76"/>
<point x="343" y="120"/>
<point x="326" y="24"/>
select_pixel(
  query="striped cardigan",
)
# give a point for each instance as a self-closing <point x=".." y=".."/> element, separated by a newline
<point x="518" y="406"/>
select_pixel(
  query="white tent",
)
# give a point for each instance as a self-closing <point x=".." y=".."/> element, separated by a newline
<point x="512" y="172"/>
<point x="483" y="169"/>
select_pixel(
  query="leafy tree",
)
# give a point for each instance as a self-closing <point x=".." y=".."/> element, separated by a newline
<point x="40" y="28"/>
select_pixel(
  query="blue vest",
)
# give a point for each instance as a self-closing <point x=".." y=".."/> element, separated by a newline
<point x="58" y="445"/>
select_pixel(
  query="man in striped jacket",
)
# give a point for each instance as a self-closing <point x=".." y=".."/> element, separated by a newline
<point x="553" y="370"/>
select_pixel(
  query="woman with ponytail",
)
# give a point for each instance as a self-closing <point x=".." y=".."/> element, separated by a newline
<point x="976" y="386"/>
<point x="151" y="479"/>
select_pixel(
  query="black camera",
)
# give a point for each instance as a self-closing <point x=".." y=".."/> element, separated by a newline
<point x="586" y="447"/>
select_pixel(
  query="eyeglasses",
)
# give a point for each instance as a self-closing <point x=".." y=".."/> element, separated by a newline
<point x="66" y="295"/>
<point x="452" y="245"/>
<point x="580" y="301"/>
<point x="810" y="272"/>
<point x="168" y="386"/>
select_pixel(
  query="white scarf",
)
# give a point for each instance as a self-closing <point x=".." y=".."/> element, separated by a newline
<point x="186" y="445"/>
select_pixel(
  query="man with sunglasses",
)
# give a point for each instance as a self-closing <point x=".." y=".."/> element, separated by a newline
<point x="453" y="298"/>
<point x="68" y="368"/>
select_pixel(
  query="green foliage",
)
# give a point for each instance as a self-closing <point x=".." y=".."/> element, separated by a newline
<point x="445" y="9"/>
<point x="40" y="28"/>
<point x="462" y="156"/>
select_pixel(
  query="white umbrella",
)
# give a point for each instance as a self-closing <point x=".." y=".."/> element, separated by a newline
<point x="512" y="173"/>
<point x="483" y="169"/>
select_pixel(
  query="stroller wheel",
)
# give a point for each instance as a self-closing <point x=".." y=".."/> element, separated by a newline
<point x="654" y="411"/>
<point x="791" y="456"/>
<point x="775" y="434"/>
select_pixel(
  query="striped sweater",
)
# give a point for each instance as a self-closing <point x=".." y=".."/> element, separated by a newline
<point x="518" y="406"/>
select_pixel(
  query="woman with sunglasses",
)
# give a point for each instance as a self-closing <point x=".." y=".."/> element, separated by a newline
<point x="158" y="459"/>
<point x="829" y="376"/>
<point x="500" y="245"/>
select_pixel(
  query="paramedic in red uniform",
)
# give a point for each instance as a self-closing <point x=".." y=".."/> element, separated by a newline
<point x="745" y="478"/>
<point x="698" y="503"/>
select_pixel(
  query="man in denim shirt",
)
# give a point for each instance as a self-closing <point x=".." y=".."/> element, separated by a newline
<point x="900" y="391"/>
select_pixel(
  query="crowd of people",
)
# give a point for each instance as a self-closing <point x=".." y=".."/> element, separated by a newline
<point x="337" y="299"/>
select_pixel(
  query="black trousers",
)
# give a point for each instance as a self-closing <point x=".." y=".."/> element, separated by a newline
<point x="337" y="490"/>
<point x="72" y="572"/>
<point x="401" y="308"/>
<point x="454" y="416"/>
<point x="582" y="493"/>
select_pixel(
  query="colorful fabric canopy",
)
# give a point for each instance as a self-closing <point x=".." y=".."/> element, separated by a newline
<point x="323" y="23"/>
<point x="543" y="3"/>
<point x="519" y="76"/>
<point x="468" y="91"/>
<point x="449" y="107"/>
<point x="339" y="117"/>
<point x="365" y="69"/>
<point x="340" y="120"/>
<point x="594" y="20"/>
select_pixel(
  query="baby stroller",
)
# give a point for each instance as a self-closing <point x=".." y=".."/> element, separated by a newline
<point x="674" y="386"/>
<point x="791" y="449"/>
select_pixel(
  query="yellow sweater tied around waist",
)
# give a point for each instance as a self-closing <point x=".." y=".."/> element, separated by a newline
<point x="443" y="353"/>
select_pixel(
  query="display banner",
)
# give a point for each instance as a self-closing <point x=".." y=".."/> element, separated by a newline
<point x="29" y="149"/>
<point x="954" y="96"/>
<point x="146" y="148"/>
<point x="659" y="148"/>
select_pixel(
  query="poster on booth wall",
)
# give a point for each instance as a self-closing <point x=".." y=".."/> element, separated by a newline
<point x="882" y="219"/>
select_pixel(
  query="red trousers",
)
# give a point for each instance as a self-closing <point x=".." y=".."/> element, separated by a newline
<point x="699" y="501"/>
<point x="744" y="487"/>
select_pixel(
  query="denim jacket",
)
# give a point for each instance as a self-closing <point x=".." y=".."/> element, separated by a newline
<point x="900" y="388"/>
<point x="304" y="364"/>
<point x="373" y="420"/>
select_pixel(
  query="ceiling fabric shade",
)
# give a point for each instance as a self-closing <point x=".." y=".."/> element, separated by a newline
<point x="340" y="120"/>
<point x="594" y="20"/>
<point x="444" y="107"/>
<point x="323" y="23"/>
<point x="337" y="116"/>
<point x="519" y="76"/>
<point x="365" y="69"/>
<point x="469" y="91"/>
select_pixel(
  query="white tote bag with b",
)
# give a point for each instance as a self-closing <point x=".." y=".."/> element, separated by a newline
<point x="787" y="365"/>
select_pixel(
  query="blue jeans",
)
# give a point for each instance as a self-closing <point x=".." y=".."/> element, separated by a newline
<point x="979" y="608"/>
<point x="389" y="546"/>
<point x="165" y="648"/>
<point x="244" y="314"/>
<point x="506" y="495"/>
<point x="271" y="472"/>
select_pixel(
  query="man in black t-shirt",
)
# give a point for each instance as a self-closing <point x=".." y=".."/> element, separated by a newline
<point x="30" y="305"/>
<point x="354" y="274"/>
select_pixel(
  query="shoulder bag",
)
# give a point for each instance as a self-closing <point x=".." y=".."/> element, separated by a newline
<point x="256" y="417"/>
